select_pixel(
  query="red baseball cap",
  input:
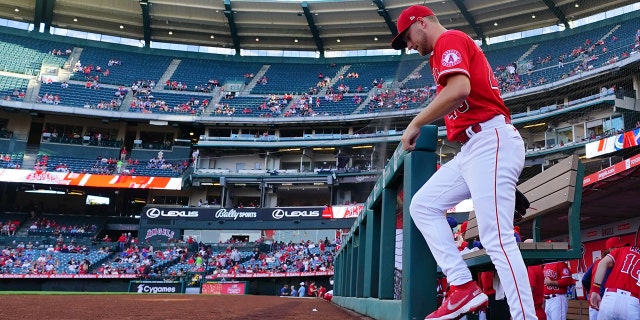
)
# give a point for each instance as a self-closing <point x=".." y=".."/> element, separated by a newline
<point x="615" y="242"/>
<point x="405" y="20"/>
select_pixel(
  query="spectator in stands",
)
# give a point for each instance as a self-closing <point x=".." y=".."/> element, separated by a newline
<point x="123" y="153"/>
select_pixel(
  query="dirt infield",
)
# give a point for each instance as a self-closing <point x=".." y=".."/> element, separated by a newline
<point x="165" y="306"/>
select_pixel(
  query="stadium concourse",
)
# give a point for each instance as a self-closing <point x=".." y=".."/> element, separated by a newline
<point x="123" y="164"/>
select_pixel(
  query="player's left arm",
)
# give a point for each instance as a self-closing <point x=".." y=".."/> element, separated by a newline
<point x="566" y="280"/>
<point x="594" y="295"/>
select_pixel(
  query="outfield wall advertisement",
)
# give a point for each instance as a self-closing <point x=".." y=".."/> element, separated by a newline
<point x="231" y="287"/>
<point x="269" y="275"/>
<point x="156" y="287"/>
<point x="249" y="214"/>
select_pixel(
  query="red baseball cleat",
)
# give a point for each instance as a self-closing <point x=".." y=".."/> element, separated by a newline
<point x="461" y="300"/>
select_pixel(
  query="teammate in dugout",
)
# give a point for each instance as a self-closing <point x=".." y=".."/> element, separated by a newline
<point x="557" y="279"/>
<point x="587" y="278"/>
<point x="486" y="169"/>
<point x="622" y="289"/>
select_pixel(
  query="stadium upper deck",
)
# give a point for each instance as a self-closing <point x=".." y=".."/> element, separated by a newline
<point x="248" y="115"/>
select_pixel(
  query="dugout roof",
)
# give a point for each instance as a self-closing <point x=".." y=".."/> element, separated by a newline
<point x="316" y="25"/>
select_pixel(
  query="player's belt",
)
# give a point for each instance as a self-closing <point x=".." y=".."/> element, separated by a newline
<point x="549" y="296"/>
<point x="469" y="132"/>
<point x="623" y="292"/>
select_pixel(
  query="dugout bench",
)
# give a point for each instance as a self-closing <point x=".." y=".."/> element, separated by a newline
<point x="578" y="310"/>
<point x="555" y="196"/>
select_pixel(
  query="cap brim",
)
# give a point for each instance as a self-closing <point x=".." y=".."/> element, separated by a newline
<point x="398" y="43"/>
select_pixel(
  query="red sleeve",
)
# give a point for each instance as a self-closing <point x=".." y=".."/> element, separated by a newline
<point x="565" y="276"/>
<point x="532" y="276"/>
<point x="452" y="55"/>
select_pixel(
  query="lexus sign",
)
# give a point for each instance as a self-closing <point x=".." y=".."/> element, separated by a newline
<point x="278" y="214"/>
<point x="154" y="213"/>
<point x="193" y="214"/>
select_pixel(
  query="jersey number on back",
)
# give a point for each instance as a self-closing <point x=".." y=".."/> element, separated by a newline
<point x="631" y="267"/>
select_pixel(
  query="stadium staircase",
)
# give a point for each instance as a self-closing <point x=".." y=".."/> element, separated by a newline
<point x="32" y="90"/>
<point x="168" y="73"/>
<point x="372" y="93"/>
<point x="30" y="156"/>
<point x="528" y="52"/>
<point x="614" y="29"/>
<point x="335" y="79"/>
<point x="247" y="89"/>
<point x="126" y="102"/>
<point x="216" y="96"/>
<point x="73" y="57"/>
<point x="417" y="70"/>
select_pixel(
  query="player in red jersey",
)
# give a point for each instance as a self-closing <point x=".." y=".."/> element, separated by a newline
<point x="587" y="278"/>
<point x="622" y="288"/>
<point x="557" y="277"/>
<point x="486" y="169"/>
<point x="536" y="280"/>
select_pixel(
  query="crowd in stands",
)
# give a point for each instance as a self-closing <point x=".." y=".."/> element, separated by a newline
<point x="9" y="161"/>
<point x="92" y="72"/>
<point x="304" y="256"/>
<point x="57" y="52"/>
<point x="148" y="104"/>
<point x="275" y="104"/>
<point x="126" y="256"/>
<point x="49" y="226"/>
<point x="223" y="109"/>
<point x="64" y="256"/>
<point x="512" y="77"/>
<point x="586" y="57"/>
<point x="181" y="86"/>
<point x="109" y="166"/>
<point x="9" y="227"/>
<point x="159" y="162"/>
<point x="18" y="94"/>
<point x="144" y="100"/>
<point x="399" y="99"/>
<point x="93" y="84"/>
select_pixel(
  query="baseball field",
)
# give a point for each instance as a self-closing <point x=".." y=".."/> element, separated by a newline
<point x="82" y="306"/>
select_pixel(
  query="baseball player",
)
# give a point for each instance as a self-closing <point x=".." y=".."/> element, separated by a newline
<point x="622" y="289"/>
<point x="536" y="280"/>
<point x="587" y="278"/>
<point x="557" y="277"/>
<point x="486" y="168"/>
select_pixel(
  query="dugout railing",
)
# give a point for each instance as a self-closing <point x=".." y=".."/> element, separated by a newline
<point x="365" y="264"/>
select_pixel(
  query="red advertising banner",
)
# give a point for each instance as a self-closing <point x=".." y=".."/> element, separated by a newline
<point x="69" y="276"/>
<point x="269" y="275"/>
<point x="612" y="171"/>
<point x="343" y="211"/>
<point x="90" y="180"/>
<point x="218" y="288"/>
